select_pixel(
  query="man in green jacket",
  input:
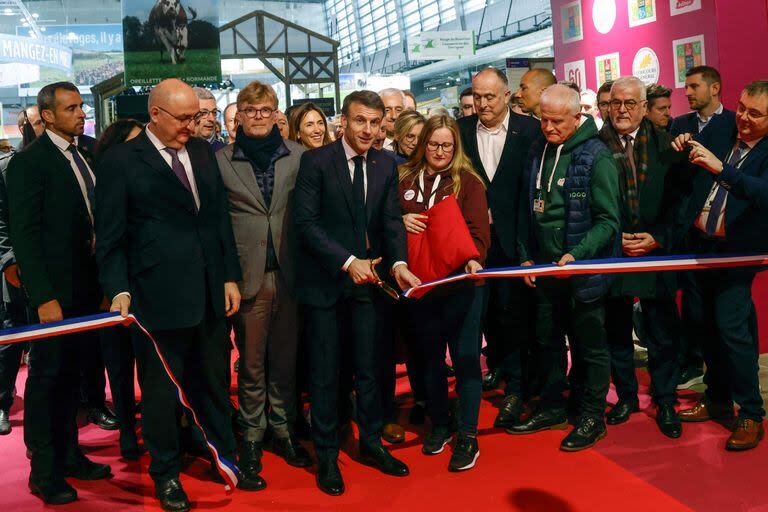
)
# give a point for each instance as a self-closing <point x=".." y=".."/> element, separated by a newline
<point x="572" y="214"/>
<point x="650" y="208"/>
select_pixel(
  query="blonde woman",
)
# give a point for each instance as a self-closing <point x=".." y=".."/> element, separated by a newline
<point x="407" y="130"/>
<point x="309" y="127"/>
<point x="437" y="169"/>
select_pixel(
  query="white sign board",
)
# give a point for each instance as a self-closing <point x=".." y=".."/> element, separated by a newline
<point x="441" y="45"/>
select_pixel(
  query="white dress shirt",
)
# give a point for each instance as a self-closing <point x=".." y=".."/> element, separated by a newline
<point x="350" y="154"/>
<point x="63" y="146"/>
<point x="490" y="145"/>
<point x="389" y="144"/>
<point x="183" y="158"/>
<point x="701" y="220"/>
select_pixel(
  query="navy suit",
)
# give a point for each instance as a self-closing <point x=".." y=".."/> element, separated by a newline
<point x="728" y="323"/>
<point x="689" y="123"/>
<point x="340" y="316"/>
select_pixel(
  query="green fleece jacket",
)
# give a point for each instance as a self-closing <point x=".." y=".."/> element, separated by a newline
<point x="549" y="225"/>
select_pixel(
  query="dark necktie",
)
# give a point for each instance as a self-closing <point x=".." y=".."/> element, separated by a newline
<point x="358" y="193"/>
<point x="178" y="168"/>
<point x="722" y="193"/>
<point x="629" y="150"/>
<point x="84" y="173"/>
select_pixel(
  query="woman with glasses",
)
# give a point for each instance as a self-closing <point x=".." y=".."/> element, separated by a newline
<point x="407" y="129"/>
<point x="438" y="169"/>
<point x="309" y="127"/>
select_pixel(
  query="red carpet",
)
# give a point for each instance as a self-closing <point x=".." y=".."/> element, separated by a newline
<point x="634" y="468"/>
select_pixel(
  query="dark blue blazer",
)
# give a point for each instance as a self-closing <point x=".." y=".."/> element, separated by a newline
<point x="324" y="217"/>
<point x="746" y="212"/>
<point x="689" y="123"/>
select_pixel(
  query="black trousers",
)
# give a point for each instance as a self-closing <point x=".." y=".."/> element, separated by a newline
<point x="507" y="324"/>
<point x="689" y="355"/>
<point x="196" y="358"/>
<point x="93" y="378"/>
<point x="558" y="313"/>
<point x="387" y="319"/>
<point x="663" y="333"/>
<point x="349" y="326"/>
<point x="51" y="400"/>
<point x="14" y="314"/>
<point x="117" y="351"/>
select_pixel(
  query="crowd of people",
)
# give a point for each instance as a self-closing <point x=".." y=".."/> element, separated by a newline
<point x="290" y="237"/>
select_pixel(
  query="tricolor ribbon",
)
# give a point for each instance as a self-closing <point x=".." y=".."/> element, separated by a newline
<point x="227" y="470"/>
<point x="606" y="266"/>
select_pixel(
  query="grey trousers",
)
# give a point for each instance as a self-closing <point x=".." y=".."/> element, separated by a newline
<point x="269" y="323"/>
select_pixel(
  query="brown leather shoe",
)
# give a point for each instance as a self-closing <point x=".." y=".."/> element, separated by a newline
<point x="746" y="435"/>
<point x="704" y="411"/>
<point x="393" y="433"/>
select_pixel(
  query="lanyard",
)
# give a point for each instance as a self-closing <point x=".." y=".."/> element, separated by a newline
<point x="541" y="167"/>
<point x="430" y="200"/>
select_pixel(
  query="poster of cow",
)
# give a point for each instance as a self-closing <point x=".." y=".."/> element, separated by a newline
<point x="171" y="39"/>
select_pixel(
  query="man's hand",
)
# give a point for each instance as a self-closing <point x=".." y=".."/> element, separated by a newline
<point x="638" y="244"/>
<point x="361" y="271"/>
<point x="415" y="222"/>
<point x="405" y="278"/>
<point x="529" y="280"/>
<point x="680" y="143"/>
<point x="472" y="267"/>
<point x="567" y="258"/>
<point x="50" y="312"/>
<point x="703" y="157"/>
<point x="231" y="298"/>
<point x="121" y="303"/>
<point x="11" y="273"/>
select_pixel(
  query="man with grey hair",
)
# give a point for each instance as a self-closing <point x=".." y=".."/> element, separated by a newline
<point x="394" y="104"/>
<point x="206" y="129"/>
<point x="648" y="168"/>
<point x="572" y="214"/>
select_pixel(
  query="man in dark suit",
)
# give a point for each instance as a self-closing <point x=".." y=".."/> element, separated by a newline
<point x="347" y="215"/>
<point x="166" y="251"/>
<point x="50" y="193"/>
<point x="728" y="213"/>
<point x="497" y="142"/>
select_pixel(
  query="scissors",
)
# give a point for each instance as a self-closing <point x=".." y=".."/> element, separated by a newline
<point x="383" y="286"/>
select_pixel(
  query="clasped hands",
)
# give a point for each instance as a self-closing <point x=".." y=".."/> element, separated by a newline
<point x="638" y="244"/>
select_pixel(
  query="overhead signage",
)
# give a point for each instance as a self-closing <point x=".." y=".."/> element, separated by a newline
<point x="441" y="45"/>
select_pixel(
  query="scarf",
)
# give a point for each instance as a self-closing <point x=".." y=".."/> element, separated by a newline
<point x="629" y="186"/>
<point x="259" y="150"/>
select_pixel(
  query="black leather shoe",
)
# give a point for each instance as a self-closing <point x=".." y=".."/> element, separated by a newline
<point x="291" y="450"/>
<point x="249" y="480"/>
<point x="172" y="496"/>
<point x="509" y="413"/>
<point x="621" y="412"/>
<point x="380" y="458"/>
<point x="588" y="431"/>
<point x="329" y="478"/>
<point x="250" y="457"/>
<point x="86" y="469"/>
<point x="544" y="419"/>
<point x="5" y="423"/>
<point x="491" y="379"/>
<point x="53" y="493"/>
<point x="668" y="421"/>
<point x="103" y="418"/>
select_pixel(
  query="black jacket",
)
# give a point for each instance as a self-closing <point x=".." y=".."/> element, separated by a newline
<point x="51" y="231"/>
<point x="689" y="123"/>
<point x="505" y="188"/>
<point x="151" y="241"/>
<point x="323" y="213"/>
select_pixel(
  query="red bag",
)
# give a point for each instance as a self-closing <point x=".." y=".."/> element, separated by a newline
<point x="445" y="246"/>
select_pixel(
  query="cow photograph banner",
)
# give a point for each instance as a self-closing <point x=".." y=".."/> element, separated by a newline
<point x="171" y="39"/>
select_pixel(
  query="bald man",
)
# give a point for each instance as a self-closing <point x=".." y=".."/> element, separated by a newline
<point x="532" y="85"/>
<point x="497" y="141"/>
<point x="166" y="252"/>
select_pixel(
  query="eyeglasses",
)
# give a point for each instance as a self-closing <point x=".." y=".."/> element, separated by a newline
<point x="250" y="112"/>
<point x="184" y="120"/>
<point x="630" y="105"/>
<point x="445" y="146"/>
<point x="752" y="114"/>
<point x="411" y="137"/>
<point x="206" y="113"/>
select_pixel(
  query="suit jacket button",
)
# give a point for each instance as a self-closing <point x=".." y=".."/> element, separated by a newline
<point x="263" y="243"/>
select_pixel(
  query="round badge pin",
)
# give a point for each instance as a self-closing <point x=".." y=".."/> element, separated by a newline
<point x="409" y="194"/>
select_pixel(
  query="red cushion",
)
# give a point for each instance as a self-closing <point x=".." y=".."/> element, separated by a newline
<point x="445" y="246"/>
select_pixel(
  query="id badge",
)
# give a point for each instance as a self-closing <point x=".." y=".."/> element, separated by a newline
<point x="538" y="205"/>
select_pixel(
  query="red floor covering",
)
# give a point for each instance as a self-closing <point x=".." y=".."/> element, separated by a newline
<point x="634" y="468"/>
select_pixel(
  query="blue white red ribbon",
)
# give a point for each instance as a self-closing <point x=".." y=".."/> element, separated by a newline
<point x="606" y="266"/>
<point x="227" y="470"/>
